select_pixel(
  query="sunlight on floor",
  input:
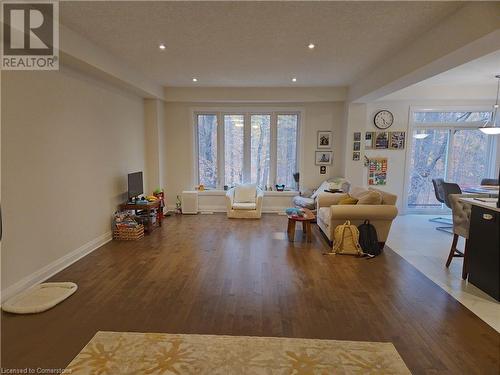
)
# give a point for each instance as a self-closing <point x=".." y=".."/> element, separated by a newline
<point x="418" y="242"/>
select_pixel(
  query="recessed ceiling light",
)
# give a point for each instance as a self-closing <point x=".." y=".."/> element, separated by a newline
<point x="294" y="79"/>
<point x="195" y="79"/>
<point x="311" y="45"/>
<point x="162" y="46"/>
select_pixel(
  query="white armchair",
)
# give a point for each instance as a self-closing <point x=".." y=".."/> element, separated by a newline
<point x="244" y="202"/>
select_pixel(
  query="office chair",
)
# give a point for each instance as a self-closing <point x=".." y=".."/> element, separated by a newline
<point x="439" y="193"/>
<point x="489" y="181"/>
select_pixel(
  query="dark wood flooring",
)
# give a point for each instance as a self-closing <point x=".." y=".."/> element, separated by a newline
<point x="210" y="275"/>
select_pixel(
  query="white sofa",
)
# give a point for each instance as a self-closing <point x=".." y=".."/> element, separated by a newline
<point x="330" y="213"/>
<point x="244" y="202"/>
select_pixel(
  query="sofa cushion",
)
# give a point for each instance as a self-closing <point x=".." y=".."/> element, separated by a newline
<point x="387" y="198"/>
<point x="370" y="197"/>
<point x="304" y="202"/>
<point x="245" y="193"/>
<point x="357" y="191"/>
<point x="348" y="200"/>
<point x="244" y="206"/>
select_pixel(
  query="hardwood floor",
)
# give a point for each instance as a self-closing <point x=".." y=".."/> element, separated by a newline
<point x="210" y="275"/>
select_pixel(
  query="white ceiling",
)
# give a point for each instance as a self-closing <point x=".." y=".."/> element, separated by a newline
<point x="473" y="80"/>
<point x="477" y="72"/>
<point x="253" y="43"/>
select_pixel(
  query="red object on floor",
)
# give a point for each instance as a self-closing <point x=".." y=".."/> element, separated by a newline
<point x="161" y="197"/>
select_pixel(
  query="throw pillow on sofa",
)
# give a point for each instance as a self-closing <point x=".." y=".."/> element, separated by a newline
<point x="348" y="200"/>
<point x="370" y="197"/>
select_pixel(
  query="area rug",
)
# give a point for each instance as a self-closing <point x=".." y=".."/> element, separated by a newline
<point x="159" y="353"/>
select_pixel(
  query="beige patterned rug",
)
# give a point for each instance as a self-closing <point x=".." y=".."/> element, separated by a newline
<point x="115" y="353"/>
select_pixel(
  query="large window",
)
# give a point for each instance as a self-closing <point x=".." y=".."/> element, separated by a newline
<point x="260" y="149"/>
<point x="446" y="145"/>
<point x="287" y="149"/>
<point x="207" y="149"/>
<point x="245" y="147"/>
<point x="233" y="149"/>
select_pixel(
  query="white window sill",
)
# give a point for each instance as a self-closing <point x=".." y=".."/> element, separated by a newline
<point x="266" y="193"/>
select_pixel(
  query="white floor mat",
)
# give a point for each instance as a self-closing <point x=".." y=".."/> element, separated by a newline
<point x="39" y="298"/>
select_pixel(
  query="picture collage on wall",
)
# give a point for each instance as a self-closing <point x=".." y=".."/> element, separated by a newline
<point x="377" y="171"/>
<point x="356" y="146"/>
<point x="324" y="156"/>
<point x="385" y="140"/>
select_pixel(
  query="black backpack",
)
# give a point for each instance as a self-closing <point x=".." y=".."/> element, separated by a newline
<point x="368" y="239"/>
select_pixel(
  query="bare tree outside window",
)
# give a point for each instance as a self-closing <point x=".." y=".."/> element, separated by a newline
<point x="260" y="149"/>
<point x="233" y="149"/>
<point x="427" y="161"/>
<point x="450" y="117"/>
<point x="207" y="150"/>
<point x="247" y="148"/>
<point x="455" y="151"/>
<point x="287" y="149"/>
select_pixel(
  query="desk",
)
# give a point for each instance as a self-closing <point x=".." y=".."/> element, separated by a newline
<point x="483" y="246"/>
<point x="491" y="191"/>
<point x="144" y="206"/>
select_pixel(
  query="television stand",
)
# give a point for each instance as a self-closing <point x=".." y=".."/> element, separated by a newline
<point x="145" y="206"/>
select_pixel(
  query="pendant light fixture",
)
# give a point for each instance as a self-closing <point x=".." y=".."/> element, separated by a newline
<point x="491" y="127"/>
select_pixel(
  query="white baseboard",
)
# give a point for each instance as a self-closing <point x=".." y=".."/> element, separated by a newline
<point x="55" y="267"/>
<point x="210" y="208"/>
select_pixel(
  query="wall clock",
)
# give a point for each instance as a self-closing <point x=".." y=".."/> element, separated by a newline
<point x="383" y="119"/>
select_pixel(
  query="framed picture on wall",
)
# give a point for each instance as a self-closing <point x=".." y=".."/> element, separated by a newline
<point x="382" y="140"/>
<point x="397" y="140"/>
<point x="324" y="139"/>
<point x="356" y="146"/>
<point x="356" y="156"/>
<point x="369" y="140"/>
<point x="323" y="157"/>
<point x="357" y="136"/>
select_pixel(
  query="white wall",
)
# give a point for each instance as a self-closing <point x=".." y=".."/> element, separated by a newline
<point x="179" y="140"/>
<point x="68" y="142"/>
<point x="360" y="118"/>
<point x="154" y="138"/>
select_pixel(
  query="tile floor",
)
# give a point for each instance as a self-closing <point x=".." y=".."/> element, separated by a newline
<point x="416" y="240"/>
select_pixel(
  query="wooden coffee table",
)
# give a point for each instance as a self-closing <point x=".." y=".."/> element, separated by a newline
<point x="306" y="224"/>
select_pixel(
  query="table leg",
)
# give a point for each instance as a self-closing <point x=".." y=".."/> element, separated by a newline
<point x="150" y="221"/>
<point x="291" y="230"/>
<point x="159" y="213"/>
<point x="307" y="229"/>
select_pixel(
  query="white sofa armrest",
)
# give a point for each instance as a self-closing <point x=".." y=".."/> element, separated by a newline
<point x="230" y="199"/>
<point x="259" y="200"/>
<point x="325" y="199"/>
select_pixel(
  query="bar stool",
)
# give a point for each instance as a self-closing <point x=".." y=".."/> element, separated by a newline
<point x="461" y="221"/>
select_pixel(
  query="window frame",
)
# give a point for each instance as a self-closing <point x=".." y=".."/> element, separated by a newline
<point x="450" y="126"/>
<point x="247" y="113"/>
<point x="197" y="146"/>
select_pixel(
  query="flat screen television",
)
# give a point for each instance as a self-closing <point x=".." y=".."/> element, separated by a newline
<point x="135" y="185"/>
